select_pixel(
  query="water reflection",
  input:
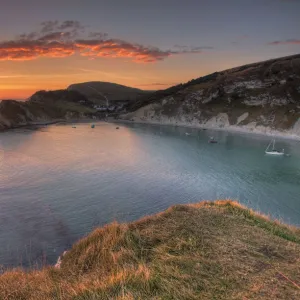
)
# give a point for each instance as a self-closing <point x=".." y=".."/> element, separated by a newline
<point x="56" y="185"/>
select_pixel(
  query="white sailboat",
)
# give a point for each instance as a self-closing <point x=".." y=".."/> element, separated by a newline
<point x="274" y="151"/>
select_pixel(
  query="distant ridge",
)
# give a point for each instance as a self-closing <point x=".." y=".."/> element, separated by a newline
<point x="96" y="90"/>
<point x="76" y="102"/>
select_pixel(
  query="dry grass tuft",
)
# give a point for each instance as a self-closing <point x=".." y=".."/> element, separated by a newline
<point x="209" y="250"/>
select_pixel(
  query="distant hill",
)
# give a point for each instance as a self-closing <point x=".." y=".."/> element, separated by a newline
<point x="262" y="97"/>
<point x="76" y="102"/>
<point x="96" y="91"/>
<point x="45" y="106"/>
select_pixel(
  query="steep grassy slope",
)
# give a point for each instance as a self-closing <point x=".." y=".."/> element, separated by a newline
<point x="263" y="96"/>
<point x="216" y="250"/>
<point x="95" y="90"/>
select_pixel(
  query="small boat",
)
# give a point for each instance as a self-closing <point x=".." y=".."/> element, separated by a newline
<point x="187" y="133"/>
<point x="117" y="127"/>
<point x="273" y="151"/>
<point x="93" y="126"/>
<point x="212" y="140"/>
<point x="73" y="126"/>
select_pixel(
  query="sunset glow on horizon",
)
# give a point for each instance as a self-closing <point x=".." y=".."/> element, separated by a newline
<point x="144" y="45"/>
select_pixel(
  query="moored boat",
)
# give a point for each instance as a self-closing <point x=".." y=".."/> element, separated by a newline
<point x="212" y="140"/>
<point x="274" y="151"/>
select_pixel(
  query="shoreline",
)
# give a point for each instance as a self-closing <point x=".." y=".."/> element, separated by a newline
<point x="36" y="125"/>
<point x="32" y="125"/>
<point x="231" y="128"/>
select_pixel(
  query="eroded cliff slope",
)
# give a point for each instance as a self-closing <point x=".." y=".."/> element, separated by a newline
<point x="263" y="97"/>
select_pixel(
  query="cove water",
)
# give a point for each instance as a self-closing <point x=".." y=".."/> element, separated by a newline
<point x="59" y="182"/>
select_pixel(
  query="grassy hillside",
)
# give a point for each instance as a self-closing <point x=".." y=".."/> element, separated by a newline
<point x="210" y="250"/>
<point x="263" y="96"/>
<point x="45" y="106"/>
<point x="95" y="90"/>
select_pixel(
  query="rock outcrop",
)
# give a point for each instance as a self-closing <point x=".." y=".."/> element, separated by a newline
<point x="263" y="97"/>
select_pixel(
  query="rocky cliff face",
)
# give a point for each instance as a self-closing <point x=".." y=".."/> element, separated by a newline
<point x="263" y="97"/>
<point x="44" y="107"/>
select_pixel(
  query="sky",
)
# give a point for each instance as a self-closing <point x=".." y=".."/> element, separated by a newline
<point x="155" y="44"/>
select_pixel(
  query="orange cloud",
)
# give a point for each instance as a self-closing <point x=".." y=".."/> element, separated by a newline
<point x="118" y="48"/>
<point x="59" y="40"/>
<point x="286" y="42"/>
<point x="32" y="49"/>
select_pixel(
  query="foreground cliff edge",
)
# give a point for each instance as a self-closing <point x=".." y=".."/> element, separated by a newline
<point x="209" y="250"/>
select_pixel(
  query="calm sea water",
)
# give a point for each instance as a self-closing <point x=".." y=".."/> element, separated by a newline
<point x="58" y="183"/>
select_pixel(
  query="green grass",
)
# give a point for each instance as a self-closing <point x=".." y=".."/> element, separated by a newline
<point x="264" y="222"/>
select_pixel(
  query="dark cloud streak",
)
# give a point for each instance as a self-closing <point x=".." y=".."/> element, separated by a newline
<point x="193" y="48"/>
<point x="158" y="84"/>
<point x="286" y="42"/>
<point x="49" y="26"/>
